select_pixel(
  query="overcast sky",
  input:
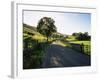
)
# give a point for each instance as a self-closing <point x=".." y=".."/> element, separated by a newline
<point x="66" y="22"/>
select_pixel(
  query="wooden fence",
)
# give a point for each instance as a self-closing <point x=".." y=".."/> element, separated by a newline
<point x="85" y="48"/>
<point x="81" y="48"/>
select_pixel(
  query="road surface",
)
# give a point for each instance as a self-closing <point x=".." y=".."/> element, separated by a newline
<point x="59" y="56"/>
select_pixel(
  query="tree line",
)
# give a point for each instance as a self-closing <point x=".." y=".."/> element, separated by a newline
<point x="82" y="36"/>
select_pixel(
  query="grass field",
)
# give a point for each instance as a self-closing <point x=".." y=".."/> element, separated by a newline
<point x="82" y="42"/>
<point x="70" y="38"/>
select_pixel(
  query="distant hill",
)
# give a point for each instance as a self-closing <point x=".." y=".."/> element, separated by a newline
<point x="30" y="27"/>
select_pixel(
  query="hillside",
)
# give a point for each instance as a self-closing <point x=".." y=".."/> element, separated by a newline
<point x="30" y="27"/>
<point x="31" y="31"/>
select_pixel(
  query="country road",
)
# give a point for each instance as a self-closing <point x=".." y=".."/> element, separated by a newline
<point x="59" y="56"/>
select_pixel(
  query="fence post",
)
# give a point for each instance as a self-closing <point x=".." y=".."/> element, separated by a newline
<point x="87" y="49"/>
<point x="82" y="48"/>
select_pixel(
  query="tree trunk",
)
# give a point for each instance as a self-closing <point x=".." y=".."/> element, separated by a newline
<point x="47" y="39"/>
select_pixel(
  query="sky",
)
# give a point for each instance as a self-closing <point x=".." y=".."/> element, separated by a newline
<point x="66" y="22"/>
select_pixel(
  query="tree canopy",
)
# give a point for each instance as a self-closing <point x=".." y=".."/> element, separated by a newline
<point x="46" y="26"/>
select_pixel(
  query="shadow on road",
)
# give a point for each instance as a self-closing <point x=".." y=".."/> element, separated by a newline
<point x="59" y="56"/>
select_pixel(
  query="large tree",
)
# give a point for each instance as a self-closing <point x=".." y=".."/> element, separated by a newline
<point x="46" y="26"/>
